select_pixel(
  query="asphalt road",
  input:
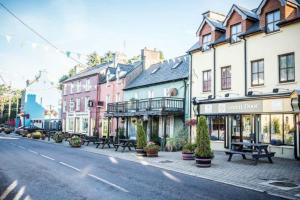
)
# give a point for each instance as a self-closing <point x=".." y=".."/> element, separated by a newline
<point x="39" y="171"/>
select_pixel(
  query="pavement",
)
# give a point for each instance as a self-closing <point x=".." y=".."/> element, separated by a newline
<point x="35" y="169"/>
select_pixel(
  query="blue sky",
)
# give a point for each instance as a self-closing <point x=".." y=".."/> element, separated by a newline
<point x="85" y="26"/>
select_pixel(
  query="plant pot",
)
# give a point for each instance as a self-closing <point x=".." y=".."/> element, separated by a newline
<point x="203" y="162"/>
<point x="152" y="153"/>
<point x="188" y="156"/>
<point x="140" y="152"/>
<point x="75" y="146"/>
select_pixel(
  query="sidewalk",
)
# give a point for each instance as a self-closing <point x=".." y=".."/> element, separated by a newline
<point x="238" y="172"/>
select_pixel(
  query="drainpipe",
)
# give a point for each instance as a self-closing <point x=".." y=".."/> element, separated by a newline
<point x="190" y="94"/>
<point x="245" y="66"/>
<point x="214" y="96"/>
<point x="184" y="99"/>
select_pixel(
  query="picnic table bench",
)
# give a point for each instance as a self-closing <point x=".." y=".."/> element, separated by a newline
<point x="125" y="143"/>
<point x="254" y="150"/>
<point x="88" y="139"/>
<point x="104" y="141"/>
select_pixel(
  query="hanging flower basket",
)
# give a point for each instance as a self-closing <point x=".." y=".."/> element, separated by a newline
<point x="191" y="122"/>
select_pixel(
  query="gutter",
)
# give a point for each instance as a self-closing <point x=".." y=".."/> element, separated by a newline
<point x="245" y="67"/>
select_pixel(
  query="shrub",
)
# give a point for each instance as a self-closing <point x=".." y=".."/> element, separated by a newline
<point x="202" y="139"/>
<point x="36" y="135"/>
<point x="188" y="148"/>
<point x="58" y="137"/>
<point x="171" y="144"/>
<point x="151" y="146"/>
<point x="75" y="141"/>
<point x="141" y="140"/>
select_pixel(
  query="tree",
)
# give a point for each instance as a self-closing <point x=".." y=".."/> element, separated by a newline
<point x="134" y="59"/>
<point x="93" y="59"/>
<point x="202" y="139"/>
<point x="141" y="140"/>
<point x="161" y="55"/>
<point x="108" y="57"/>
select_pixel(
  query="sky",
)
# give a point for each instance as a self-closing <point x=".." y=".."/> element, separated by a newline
<point x="85" y="26"/>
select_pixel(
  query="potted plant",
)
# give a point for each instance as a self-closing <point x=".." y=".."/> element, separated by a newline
<point x="141" y="140"/>
<point x="188" y="151"/>
<point x="58" y="137"/>
<point x="151" y="149"/>
<point x="7" y="130"/>
<point x="36" y="135"/>
<point x="75" y="141"/>
<point x="203" y="152"/>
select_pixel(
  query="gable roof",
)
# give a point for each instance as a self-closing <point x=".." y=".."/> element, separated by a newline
<point x="283" y="2"/>
<point x="215" y="24"/>
<point x="244" y="12"/>
<point x="89" y="71"/>
<point x="164" y="74"/>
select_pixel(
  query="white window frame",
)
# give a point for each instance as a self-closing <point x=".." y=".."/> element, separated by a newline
<point x="78" y="104"/>
<point x="206" y="42"/>
<point x="86" y="103"/>
<point x="79" y="86"/>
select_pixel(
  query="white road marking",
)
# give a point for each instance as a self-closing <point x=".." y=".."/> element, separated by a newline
<point x="70" y="166"/>
<point x="10" y="188"/>
<point x="20" y="193"/>
<point x="108" y="183"/>
<point x="47" y="157"/>
<point x="33" y="151"/>
<point x="21" y="147"/>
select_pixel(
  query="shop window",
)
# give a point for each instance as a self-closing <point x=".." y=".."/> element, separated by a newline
<point x="206" y="81"/>
<point x="257" y="72"/>
<point x="217" y="128"/>
<point x="226" y="78"/>
<point x="71" y="124"/>
<point x="85" y="125"/>
<point x="276" y="129"/>
<point x="265" y="129"/>
<point x="272" y="19"/>
<point x="247" y="128"/>
<point x="289" y="129"/>
<point x="286" y="68"/>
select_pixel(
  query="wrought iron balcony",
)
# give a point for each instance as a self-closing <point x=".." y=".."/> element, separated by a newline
<point x="169" y="104"/>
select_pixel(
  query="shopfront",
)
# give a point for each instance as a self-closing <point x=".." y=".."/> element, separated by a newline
<point x="78" y="123"/>
<point x="269" y="119"/>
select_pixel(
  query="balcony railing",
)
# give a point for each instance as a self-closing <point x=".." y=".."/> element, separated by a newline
<point x="151" y="104"/>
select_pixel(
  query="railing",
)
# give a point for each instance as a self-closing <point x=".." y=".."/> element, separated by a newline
<point x="151" y="104"/>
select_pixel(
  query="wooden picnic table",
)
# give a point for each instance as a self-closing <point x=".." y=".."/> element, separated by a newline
<point x="255" y="150"/>
<point x="125" y="143"/>
<point x="104" y="141"/>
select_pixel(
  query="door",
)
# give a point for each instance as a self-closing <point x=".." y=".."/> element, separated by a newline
<point x="155" y="129"/>
<point x="247" y="135"/>
<point x="236" y="129"/>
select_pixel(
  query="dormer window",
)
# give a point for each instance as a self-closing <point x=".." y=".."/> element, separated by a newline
<point x="235" y="31"/>
<point x="206" y="42"/>
<point x="272" y="19"/>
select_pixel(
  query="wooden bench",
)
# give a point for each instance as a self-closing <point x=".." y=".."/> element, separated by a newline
<point x="255" y="155"/>
<point x="88" y="139"/>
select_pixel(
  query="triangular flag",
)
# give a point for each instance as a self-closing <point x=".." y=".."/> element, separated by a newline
<point x="8" y="38"/>
<point x="68" y="53"/>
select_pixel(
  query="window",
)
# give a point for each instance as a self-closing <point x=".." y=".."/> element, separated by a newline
<point x="65" y="89"/>
<point x="167" y="92"/>
<point x="86" y="103"/>
<point x="71" y="105"/>
<point x="277" y="129"/>
<point x="118" y="97"/>
<point x="257" y="72"/>
<point x="226" y="78"/>
<point x="150" y="94"/>
<point x="272" y="19"/>
<point x="206" y="81"/>
<point x="235" y="31"/>
<point x="85" y="125"/>
<point x="136" y="96"/>
<point x="176" y="65"/>
<point x="107" y="100"/>
<point x="216" y="127"/>
<point x="286" y="68"/>
<point x="72" y="88"/>
<point x="64" y="106"/>
<point x="71" y="124"/>
<point x="78" y="86"/>
<point x="78" y="104"/>
<point x="87" y="84"/>
<point x="155" y="70"/>
<point x="206" y="41"/>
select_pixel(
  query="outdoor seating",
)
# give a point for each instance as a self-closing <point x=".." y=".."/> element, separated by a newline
<point x="254" y="150"/>
<point x="125" y="143"/>
<point x="104" y="141"/>
<point x="87" y="139"/>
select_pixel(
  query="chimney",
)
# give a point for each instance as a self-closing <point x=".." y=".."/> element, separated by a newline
<point x="150" y="57"/>
<point x="214" y="15"/>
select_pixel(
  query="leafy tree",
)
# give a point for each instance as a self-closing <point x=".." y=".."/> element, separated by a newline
<point x="108" y="57"/>
<point x="134" y="59"/>
<point x="93" y="59"/>
<point x="161" y="55"/>
<point x="202" y="139"/>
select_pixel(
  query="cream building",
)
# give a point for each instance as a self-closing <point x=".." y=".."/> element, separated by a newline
<point x="245" y="74"/>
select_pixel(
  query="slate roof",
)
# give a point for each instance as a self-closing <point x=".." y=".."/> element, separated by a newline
<point x="165" y="73"/>
<point x="216" y="23"/>
<point x="249" y="13"/>
<point x="89" y="71"/>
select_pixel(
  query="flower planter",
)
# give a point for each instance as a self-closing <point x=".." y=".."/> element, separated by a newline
<point x="75" y="145"/>
<point x="152" y="153"/>
<point x="188" y="156"/>
<point x="140" y="152"/>
<point x="203" y="162"/>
